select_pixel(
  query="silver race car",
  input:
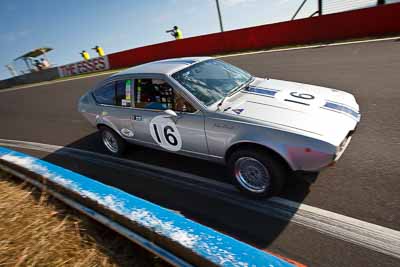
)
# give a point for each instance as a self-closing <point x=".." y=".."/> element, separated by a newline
<point x="262" y="129"/>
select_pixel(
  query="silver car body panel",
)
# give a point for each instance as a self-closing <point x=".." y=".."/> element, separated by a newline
<point x="308" y="126"/>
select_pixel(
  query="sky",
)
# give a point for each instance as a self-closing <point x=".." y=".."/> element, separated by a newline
<point x="75" y="25"/>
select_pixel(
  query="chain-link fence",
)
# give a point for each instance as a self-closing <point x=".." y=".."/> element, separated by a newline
<point x="334" y="6"/>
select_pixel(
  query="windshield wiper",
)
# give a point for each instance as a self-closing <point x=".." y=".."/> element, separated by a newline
<point x="240" y="87"/>
<point x="222" y="101"/>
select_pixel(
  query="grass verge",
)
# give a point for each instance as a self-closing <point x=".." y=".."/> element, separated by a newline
<point x="38" y="230"/>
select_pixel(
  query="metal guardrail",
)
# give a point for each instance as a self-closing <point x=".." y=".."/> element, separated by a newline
<point x="165" y="233"/>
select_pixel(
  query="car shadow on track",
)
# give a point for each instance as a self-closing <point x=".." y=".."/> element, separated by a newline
<point x="251" y="225"/>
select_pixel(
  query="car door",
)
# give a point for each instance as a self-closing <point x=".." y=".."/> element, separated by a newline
<point x="114" y="99"/>
<point x="183" y="133"/>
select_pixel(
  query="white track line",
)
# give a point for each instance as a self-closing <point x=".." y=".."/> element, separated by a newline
<point x="364" y="234"/>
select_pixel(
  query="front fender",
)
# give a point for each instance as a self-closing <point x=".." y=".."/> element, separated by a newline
<point x="300" y="152"/>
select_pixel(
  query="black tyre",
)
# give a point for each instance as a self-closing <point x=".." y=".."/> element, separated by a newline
<point x="114" y="144"/>
<point x="257" y="173"/>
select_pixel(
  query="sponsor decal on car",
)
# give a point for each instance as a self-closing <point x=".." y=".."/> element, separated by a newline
<point x="127" y="132"/>
<point x="238" y="110"/>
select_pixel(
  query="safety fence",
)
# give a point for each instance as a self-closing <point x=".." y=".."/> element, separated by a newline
<point x="165" y="233"/>
<point x="323" y="7"/>
<point x="335" y="6"/>
<point x="374" y="21"/>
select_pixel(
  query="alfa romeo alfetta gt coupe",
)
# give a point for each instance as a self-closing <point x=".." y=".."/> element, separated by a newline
<point x="261" y="129"/>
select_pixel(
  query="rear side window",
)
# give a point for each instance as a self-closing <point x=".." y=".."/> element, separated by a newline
<point x="123" y="93"/>
<point x="115" y="93"/>
<point x="105" y="94"/>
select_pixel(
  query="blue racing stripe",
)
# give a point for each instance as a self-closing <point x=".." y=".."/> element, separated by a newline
<point x="261" y="91"/>
<point x="342" y="108"/>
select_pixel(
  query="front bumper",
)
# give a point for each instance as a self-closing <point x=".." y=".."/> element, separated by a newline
<point x="342" y="148"/>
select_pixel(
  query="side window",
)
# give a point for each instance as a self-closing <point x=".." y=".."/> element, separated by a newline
<point x="115" y="93"/>
<point x="123" y="93"/>
<point x="153" y="94"/>
<point x="159" y="95"/>
<point x="105" y="94"/>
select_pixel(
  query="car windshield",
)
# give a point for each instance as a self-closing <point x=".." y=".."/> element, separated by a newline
<point x="211" y="80"/>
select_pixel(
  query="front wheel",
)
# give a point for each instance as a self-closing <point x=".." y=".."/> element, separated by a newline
<point x="114" y="144"/>
<point x="257" y="173"/>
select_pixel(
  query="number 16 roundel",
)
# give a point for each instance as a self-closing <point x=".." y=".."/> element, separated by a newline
<point x="165" y="133"/>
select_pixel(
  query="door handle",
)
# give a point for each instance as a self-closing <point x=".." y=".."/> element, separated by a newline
<point x="136" y="118"/>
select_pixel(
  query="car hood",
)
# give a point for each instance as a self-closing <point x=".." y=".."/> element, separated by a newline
<point x="320" y="112"/>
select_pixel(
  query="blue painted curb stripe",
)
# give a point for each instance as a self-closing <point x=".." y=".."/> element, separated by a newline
<point x="211" y="245"/>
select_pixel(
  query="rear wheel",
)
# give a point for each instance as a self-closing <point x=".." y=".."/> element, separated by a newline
<point x="257" y="173"/>
<point x="114" y="144"/>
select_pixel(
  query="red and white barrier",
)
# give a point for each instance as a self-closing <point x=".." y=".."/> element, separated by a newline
<point x="85" y="66"/>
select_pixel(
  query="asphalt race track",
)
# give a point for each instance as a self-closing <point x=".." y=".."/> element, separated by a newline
<point x="364" y="184"/>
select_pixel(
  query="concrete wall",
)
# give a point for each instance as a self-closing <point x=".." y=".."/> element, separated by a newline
<point x="40" y="76"/>
<point x="374" y="21"/>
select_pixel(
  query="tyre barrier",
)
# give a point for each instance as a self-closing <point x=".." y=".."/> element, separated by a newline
<point x="167" y="234"/>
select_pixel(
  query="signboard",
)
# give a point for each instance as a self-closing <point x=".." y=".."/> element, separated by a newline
<point x="85" y="66"/>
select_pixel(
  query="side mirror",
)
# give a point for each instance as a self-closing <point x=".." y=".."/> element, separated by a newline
<point x="170" y="112"/>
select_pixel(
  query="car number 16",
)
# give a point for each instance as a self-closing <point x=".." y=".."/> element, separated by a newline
<point x="165" y="133"/>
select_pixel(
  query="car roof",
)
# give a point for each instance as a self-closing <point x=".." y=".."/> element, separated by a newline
<point x="166" y="66"/>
